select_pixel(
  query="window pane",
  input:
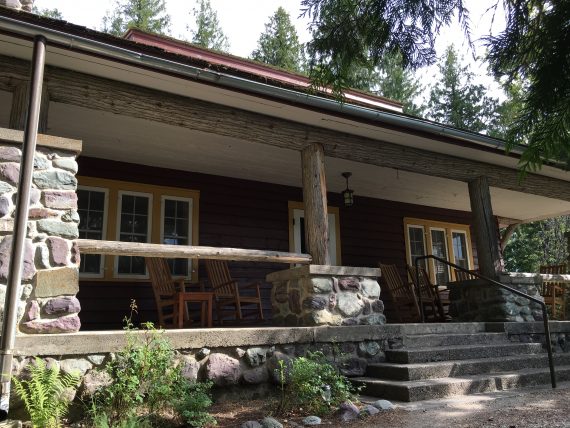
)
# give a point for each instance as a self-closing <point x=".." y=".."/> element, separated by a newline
<point x="417" y="245"/>
<point x="90" y="207"/>
<point x="439" y="249"/>
<point x="175" y="223"/>
<point x="460" y="249"/>
<point x="133" y="228"/>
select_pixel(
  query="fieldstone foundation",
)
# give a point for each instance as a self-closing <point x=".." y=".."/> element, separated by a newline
<point x="477" y="300"/>
<point x="326" y="295"/>
<point x="50" y="277"/>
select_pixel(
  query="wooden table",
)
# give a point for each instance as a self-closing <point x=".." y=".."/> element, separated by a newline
<point x="203" y="297"/>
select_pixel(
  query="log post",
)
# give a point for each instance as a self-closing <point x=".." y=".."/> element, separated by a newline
<point x="485" y="227"/>
<point x="20" y="97"/>
<point x="315" y="201"/>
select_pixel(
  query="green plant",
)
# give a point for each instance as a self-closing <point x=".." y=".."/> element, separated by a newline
<point x="44" y="393"/>
<point x="313" y="384"/>
<point x="148" y="384"/>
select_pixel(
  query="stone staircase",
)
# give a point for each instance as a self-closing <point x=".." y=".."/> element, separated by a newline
<point x="462" y="360"/>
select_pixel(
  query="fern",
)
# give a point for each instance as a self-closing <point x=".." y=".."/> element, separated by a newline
<point x="43" y="394"/>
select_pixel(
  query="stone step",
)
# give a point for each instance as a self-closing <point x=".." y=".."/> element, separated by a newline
<point x="448" y="387"/>
<point x="435" y="340"/>
<point x="423" y="371"/>
<point x="463" y="352"/>
<point x="443" y="328"/>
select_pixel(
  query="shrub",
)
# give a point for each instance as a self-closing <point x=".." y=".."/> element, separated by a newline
<point x="314" y="385"/>
<point x="194" y="403"/>
<point x="44" y="394"/>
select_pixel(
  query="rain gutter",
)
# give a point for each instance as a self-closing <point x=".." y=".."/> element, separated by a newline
<point x="107" y="50"/>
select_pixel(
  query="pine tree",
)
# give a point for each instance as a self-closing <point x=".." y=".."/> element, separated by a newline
<point x="49" y="13"/>
<point x="399" y="84"/>
<point x="455" y="100"/>
<point x="209" y="33"/>
<point x="279" y="44"/>
<point x="146" y="15"/>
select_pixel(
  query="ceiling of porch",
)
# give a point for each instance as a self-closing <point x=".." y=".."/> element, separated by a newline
<point x="127" y="139"/>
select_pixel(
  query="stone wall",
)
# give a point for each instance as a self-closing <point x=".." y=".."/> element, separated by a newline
<point x="51" y="259"/>
<point x="326" y="295"/>
<point x="477" y="300"/>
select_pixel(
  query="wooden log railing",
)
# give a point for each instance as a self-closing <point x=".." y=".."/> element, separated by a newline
<point x="118" y="248"/>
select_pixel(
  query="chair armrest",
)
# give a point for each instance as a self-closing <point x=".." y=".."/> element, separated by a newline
<point x="215" y="287"/>
<point x="200" y="285"/>
<point x="251" y="285"/>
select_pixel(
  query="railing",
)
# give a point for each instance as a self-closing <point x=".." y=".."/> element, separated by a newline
<point x="503" y="286"/>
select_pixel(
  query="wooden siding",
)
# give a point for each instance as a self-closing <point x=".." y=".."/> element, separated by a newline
<point x="249" y="214"/>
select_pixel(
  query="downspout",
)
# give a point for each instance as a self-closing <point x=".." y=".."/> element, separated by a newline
<point x="20" y="225"/>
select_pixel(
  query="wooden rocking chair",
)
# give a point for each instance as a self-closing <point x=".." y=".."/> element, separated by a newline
<point x="432" y="297"/>
<point x="171" y="293"/>
<point x="400" y="294"/>
<point x="227" y="293"/>
<point x="553" y="292"/>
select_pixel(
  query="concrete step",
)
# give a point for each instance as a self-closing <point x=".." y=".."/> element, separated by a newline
<point x="449" y="386"/>
<point x="444" y="328"/>
<point x="463" y="352"/>
<point x="422" y="371"/>
<point x="435" y="340"/>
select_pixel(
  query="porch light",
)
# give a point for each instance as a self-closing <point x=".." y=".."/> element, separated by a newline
<point x="347" y="194"/>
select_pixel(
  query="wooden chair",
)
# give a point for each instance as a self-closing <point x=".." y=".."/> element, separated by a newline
<point x="400" y="294"/>
<point x="434" y="298"/>
<point x="463" y="276"/>
<point x="553" y="292"/>
<point x="171" y="293"/>
<point x="227" y="293"/>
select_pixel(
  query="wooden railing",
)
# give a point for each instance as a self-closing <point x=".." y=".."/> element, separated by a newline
<point x="118" y="248"/>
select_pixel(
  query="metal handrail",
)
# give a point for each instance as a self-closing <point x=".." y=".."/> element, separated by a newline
<point x="497" y="283"/>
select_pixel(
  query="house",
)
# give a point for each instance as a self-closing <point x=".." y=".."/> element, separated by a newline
<point x="148" y="139"/>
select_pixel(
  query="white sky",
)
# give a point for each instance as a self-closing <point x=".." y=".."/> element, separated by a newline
<point x="244" y="20"/>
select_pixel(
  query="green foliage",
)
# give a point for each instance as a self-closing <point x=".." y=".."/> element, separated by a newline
<point x="539" y="243"/>
<point x="359" y="33"/>
<point x="44" y="394"/>
<point x="209" y="33"/>
<point x="305" y="382"/>
<point x="48" y="13"/>
<point x="147" y="384"/>
<point x="455" y="100"/>
<point x="279" y="44"/>
<point x="535" y="48"/>
<point x="146" y="15"/>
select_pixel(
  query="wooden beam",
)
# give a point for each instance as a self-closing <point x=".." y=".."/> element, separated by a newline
<point x="507" y="235"/>
<point x="19" y="111"/>
<point x="112" y="96"/>
<point x="315" y="202"/>
<point x="485" y="228"/>
<point x="117" y="248"/>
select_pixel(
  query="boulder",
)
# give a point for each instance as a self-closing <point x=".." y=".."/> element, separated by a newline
<point x="269" y="422"/>
<point x="383" y="405"/>
<point x="255" y="356"/>
<point x="312" y="420"/>
<point x="223" y="369"/>
<point x="348" y="411"/>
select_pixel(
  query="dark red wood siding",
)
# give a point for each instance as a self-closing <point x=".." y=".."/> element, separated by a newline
<point x="250" y="214"/>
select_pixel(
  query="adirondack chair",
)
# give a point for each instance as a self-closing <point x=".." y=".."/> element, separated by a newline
<point x="433" y="298"/>
<point x="227" y="293"/>
<point x="400" y="295"/>
<point x="171" y="296"/>
<point x="553" y="292"/>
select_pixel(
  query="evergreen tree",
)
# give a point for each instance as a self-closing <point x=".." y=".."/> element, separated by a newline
<point x="508" y="111"/>
<point x="146" y="15"/>
<point x="279" y="44"/>
<point x="48" y="13"/>
<point x="455" y="100"/>
<point x="209" y="33"/>
<point x="399" y="84"/>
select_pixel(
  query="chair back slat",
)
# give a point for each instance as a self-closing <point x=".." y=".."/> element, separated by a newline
<point x="403" y="297"/>
<point x="425" y="284"/>
<point x="548" y="286"/>
<point x="463" y="276"/>
<point x="218" y="274"/>
<point x="160" y="276"/>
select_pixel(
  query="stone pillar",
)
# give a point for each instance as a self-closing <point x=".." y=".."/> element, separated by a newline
<point x="315" y="202"/>
<point x="485" y="228"/>
<point x="50" y="277"/>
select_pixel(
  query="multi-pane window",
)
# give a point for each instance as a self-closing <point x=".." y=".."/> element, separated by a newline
<point x="447" y="241"/>
<point x="91" y="206"/>
<point x="134" y="226"/>
<point x="177" y="229"/>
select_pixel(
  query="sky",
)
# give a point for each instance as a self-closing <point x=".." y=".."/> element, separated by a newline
<point x="244" y="20"/>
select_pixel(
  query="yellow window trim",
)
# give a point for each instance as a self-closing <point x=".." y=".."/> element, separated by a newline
<point x="113" y="188"/>
<point x="295" y="205"/>
<point x="449" y="228"/>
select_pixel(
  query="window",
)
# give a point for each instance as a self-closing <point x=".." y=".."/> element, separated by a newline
<point x="92" y="209"/>
<point x="445" y="240"/>
<point x="136" y="213"/>
<point x="297" y="242"/>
